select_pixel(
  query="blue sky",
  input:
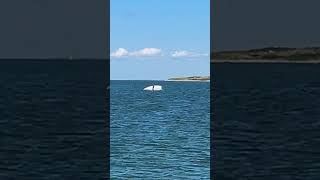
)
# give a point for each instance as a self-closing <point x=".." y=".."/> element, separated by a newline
<point x="159" y="39"/>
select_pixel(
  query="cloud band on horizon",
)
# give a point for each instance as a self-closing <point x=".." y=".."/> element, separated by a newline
<point x="154" y="52"/>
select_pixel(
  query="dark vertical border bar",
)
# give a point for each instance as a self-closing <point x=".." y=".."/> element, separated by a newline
<point x="54" y="111"/>
<point x="211" y="94"/>
<point x="108" y="89"/>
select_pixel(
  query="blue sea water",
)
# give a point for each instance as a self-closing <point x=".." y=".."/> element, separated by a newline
<point x="160" y="135"/>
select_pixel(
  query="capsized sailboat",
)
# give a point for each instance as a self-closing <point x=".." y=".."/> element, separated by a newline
<point x="153" y="88"/>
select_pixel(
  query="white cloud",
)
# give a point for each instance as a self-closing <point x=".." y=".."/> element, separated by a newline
<point x="179" y="54"/>
<point x="147" y="52"/>
<point x="120" y="53"/>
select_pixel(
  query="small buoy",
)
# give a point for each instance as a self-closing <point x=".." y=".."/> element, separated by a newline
<point x="153" y="88"/>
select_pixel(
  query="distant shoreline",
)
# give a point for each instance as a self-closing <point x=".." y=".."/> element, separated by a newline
<point x="269" y="55"/>
<point x="188" y="80"/>
<point x="179" y="79"/>
<point x="191" y="79"/>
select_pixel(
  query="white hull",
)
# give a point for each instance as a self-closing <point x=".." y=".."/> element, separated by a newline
<point x="153" y="88"/>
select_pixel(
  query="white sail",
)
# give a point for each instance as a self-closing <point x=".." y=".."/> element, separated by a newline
<point x="153" y="88"/>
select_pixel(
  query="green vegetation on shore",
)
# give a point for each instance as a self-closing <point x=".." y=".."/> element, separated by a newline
<point x="274" y="54"/>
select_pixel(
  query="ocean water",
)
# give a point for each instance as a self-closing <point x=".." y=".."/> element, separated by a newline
<point x="266" y="121"/>
<point x="160" y="135"/>
<point x="53" y="119"/>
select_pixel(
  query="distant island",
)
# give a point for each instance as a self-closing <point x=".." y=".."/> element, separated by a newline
<point x="271" y="54"/>
<point x="191" y="78"/>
